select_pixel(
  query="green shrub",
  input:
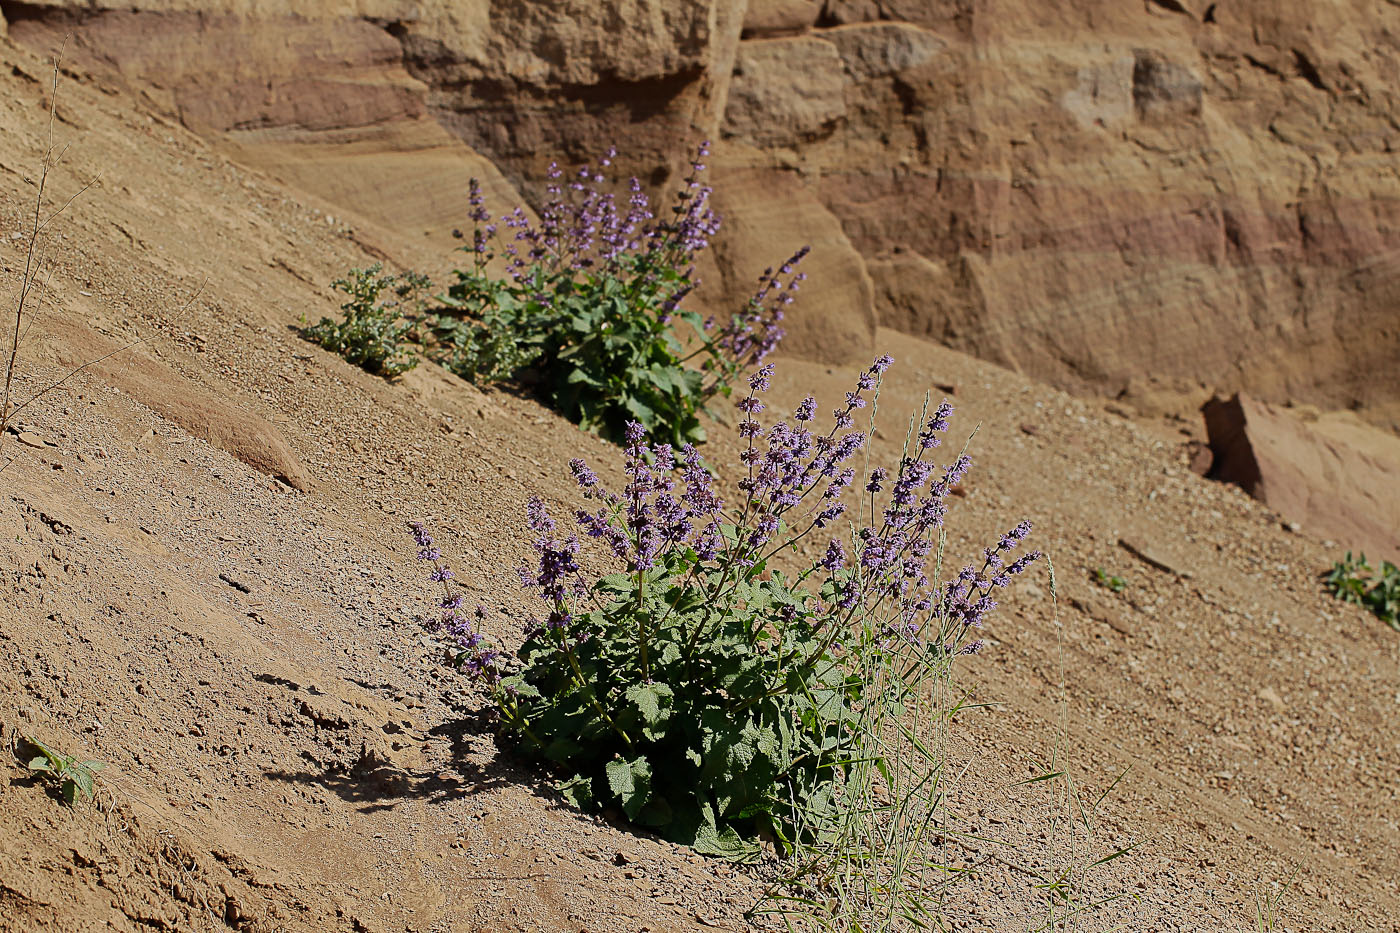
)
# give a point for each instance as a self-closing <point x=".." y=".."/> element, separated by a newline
<point x="590" y="305"/>
<point x="709" y="695"/>
<point x="1356" y="581"/>
<point x="379" y="320"/>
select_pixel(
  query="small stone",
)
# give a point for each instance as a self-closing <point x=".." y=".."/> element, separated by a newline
<point x="1271" y="696"/>
<point x="1199" y="457"/>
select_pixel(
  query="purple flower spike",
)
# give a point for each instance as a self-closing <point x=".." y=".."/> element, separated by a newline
<point x="539" y="519"/>
<point x="420" y="534"/>
<point x="587" y="479"/>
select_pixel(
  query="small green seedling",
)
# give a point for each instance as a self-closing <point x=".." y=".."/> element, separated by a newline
<point x="72" y="776"/>
<point x="1116" y="584"/>
<point x="1354" y="580"/>
<point x="1268" y="905"/>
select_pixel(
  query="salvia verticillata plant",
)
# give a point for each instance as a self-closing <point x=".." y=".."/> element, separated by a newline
<point x="718" y="688"/>
<point x="588" y="308"/>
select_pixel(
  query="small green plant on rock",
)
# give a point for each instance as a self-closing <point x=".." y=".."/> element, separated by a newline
<point x="379" y="320"/>
<point x="1109" y="581"/>
<point x="1354" y="580"/>
<point x="70" y="776"/>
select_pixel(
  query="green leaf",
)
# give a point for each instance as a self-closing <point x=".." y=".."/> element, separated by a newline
<point x="582" y="376"/>
<point x="578" y="791"/>
<point x="40" y="764"/>
<point x="693" y="319"/>
<point x="711" y="839"/>
<point x="663" y="378"/>
<point x="653" y="702"/>
<point x="83" y="779"/>
<point x="616" y="583"/>
<point x="1050" y="776"/>
<point x="630" y="782"/>
<point x="643" y="412"/>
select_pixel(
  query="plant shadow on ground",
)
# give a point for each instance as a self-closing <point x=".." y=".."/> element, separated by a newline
<point x="376" y="784"/>
<point x="34" y="778"/>
<point x="526" y="385"/>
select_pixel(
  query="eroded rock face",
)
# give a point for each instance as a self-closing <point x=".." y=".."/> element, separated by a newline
<point x="1333" y="475"/>
<point x="324" y="104"/>
<point x="785" y="92"/>
<point x="530" y="82"/>
<point x="1203" y="197"/>
<point x="780" y="17"/>
<point x="765" y="212"/>
<point x="1207" y="195"/>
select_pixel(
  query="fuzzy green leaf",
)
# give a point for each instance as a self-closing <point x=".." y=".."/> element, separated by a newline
<point x="578" y="791"/>
<point x="630" y="782"/>
<point x="653" y="702"/>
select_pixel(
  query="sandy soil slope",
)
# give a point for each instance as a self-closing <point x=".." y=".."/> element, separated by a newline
<point x="284" y="752"/>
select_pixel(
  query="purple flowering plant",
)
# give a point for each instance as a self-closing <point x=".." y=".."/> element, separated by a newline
<point x="718" y="686"/>
<point x="584" y="304"/>
<point x="590" y="305"/>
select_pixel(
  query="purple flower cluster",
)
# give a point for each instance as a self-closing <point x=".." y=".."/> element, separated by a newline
<point x="893" y="555"/>
<point x="660" y="507"/>
<point x="482" y="228"/>
<point x="556" y="565"/>
<point x="751" y="335"/>
<point x="668" y="515"/>
<point x="556" y="574"/>
<point x="478" y="660"/>
<point x="787" y="465"/>
<point x="795" y="482"/>
<point x="584" y="229"/>
<point x="796" y="477"/>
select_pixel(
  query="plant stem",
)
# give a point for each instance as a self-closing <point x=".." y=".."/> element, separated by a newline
<point x="592" y="694"/>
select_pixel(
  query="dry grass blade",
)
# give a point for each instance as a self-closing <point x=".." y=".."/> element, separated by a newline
<point x="30" y="285"/>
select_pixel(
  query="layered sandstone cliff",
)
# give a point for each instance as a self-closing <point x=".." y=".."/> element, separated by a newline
<point x="1198" y="195"/>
